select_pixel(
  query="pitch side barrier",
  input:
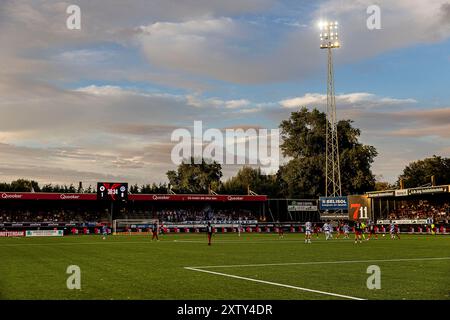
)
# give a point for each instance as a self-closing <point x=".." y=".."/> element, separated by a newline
<point x="382" y="226"/>
<point x="250" y="226"/>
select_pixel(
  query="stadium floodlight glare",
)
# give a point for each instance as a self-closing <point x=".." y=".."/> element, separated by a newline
<point x="329" y="35"/>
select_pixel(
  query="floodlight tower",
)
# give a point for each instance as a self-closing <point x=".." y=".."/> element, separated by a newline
<point x="329" y="40"/>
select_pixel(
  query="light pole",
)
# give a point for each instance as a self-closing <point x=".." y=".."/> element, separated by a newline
<point x="329" y="39"/>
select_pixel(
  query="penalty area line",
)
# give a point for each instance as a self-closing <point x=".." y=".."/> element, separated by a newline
<point x="274" y="284"/>
<point x="320" y="262"/>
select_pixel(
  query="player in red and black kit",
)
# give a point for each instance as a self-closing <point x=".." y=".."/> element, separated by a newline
<point x="358" y="232"/>
<point x="209" y="231"/>
<point x="155" y="232"/>
<point x="340" y="229"/>
<point x="316" y="230"/>
<point x="372" y="230"/>
<point x="280" y="230"/>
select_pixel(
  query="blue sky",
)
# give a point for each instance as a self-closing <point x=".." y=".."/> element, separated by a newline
<point x="101" y="102"/>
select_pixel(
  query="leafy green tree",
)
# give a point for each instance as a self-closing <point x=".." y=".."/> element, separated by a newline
<point x="304" y="143"/>
<point x="419" y="173"/>
<point x="160" y="188"/>
<point x="23" y="185"/>
<point x="383" y="185"/>
<point x="252" y="178"/>
<point x="134" y="189"/>
<point x="195" y="178"/>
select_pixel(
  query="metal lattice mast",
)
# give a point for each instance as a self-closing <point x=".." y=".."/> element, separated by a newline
<point x="329" y="41"/>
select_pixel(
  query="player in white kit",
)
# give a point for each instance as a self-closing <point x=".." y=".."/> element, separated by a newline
<point x="308" y="232"/>
<point x="326" y="230"/>
<point x="330" y="230"/>
<point x="346" y="230"/>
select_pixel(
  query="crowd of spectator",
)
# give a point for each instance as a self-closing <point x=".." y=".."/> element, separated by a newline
<point x="195" y="214"/>
<point x="422" y="210"/>
<point x="7" y="216"/>
<point x="167" y="215"/>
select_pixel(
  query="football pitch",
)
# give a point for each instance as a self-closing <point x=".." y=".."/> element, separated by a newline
<point x="253" y="266"/>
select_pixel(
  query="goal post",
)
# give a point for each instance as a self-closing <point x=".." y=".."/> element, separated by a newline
<point x="121" y="224"/>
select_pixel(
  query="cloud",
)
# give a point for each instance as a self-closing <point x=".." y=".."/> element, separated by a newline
<point x="357" y="99"/>
<point x="102" y="130"/>
<point x="232" y="50"/>
<point x="442" y="131"/>
<point x="140" y="69"/>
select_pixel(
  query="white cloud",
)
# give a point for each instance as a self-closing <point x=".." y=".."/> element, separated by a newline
<point x="112" y="130"/>
<point x="356" y="99"/>
<point x="234" y="104"/>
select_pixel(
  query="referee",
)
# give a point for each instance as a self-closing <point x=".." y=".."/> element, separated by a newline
<point x="209" y="231"/>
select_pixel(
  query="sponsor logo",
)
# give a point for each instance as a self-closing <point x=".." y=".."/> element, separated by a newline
<point x="155" y="197"/>
<point x="230" y="198"/>
<point x="44" y="233"/>
<point x="333" y="203"/>
<point x="381" y="194"/>
<point x="11" y="196"/>
<point x="69" y="197"/>
<point x="401" y="193"/>
<point x="404" y="221"/>
<point x="12" y="234"/>
<point x="428" y="190"/>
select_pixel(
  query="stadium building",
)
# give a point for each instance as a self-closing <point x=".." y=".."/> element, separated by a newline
<point x="413" y="209"/>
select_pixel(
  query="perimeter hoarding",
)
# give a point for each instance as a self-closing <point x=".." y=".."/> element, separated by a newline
<point x="12" y="233"/>
<point x="351" y="207"/>
<point x="302" y="206"/>
<point x="359" y="208"/>
<point x="333" y="208"/>
<point x="333" y="203"/>
<point x="44" y="233"/>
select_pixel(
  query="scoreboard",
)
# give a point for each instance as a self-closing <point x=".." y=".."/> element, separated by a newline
<point x="112" y="191"/>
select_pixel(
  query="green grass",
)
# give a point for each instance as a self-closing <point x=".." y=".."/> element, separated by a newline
<point x="132" y="267"/>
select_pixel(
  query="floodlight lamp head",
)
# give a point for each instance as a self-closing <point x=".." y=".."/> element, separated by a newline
<point x="328" y="34"/>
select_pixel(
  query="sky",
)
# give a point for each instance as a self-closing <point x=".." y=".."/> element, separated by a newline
<point x="100" y="103"/>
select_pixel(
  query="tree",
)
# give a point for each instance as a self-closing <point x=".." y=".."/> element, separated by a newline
<point x="304" y="141"/>
<point x="161" y="188"/>
<point x="23" y="185"/>
<point x="382" y="185"/>
<point x="134" y="189"/>
<point x="252" y="178"/>
<point x="195" y="178"/>
<point x="419" y="173"/>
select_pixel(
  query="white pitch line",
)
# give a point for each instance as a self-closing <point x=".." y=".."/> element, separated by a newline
<point x="275" y="284"/>
<point x="320" y="262"/>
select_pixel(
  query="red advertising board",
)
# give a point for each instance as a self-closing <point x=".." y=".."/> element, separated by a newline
<point x="12" y="233"/>
<point x="132" y="197"/>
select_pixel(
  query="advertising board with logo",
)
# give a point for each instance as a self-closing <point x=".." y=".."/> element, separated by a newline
<point x="12" y="233"/>
<point x="301" y="206"/>
<point x="333" y="203"/>
<point x="44" y="233"/>
<point x="359" y="208"/>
